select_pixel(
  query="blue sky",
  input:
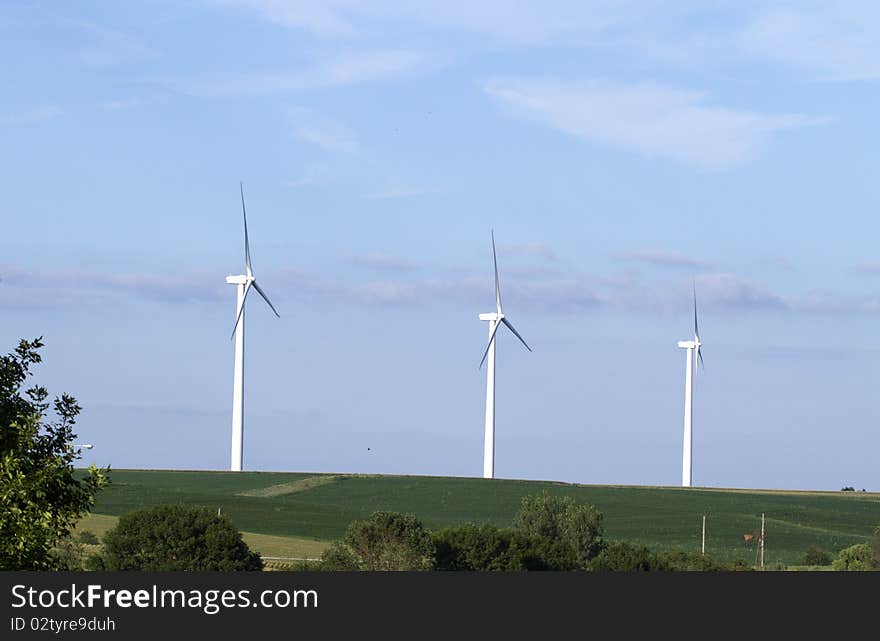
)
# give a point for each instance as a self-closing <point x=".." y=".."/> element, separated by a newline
<point x="621" y="151"/>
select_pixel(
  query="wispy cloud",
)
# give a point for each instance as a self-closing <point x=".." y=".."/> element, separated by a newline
<point x="31" y="116"/>
<point x="537" y="250"/>
<point x="319" y="129"/>
<point x="525" y="23"/>
<point x="119" y="104"/>
<point x="322" y="18"/>
<point x="662" y="259"/>
<point x="350" y="68"/>
<point x="869" y="267"/>
<point x="729" y="290"/>
<point x="650" y="119"/>
<point x="108" y="47"/>
<point x="177" y="288"/>
<point x="383" y="262"/>
<point x="396" y="193"/>
<point x="313" y="175"/>
<point x="839" y="41"/>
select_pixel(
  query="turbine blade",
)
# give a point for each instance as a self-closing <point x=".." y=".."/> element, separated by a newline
<point x="491" y="338"/>
<point x="700" y="356"/>
<point x="247" y="290"/>
<point x="247" y="244"/>
<point x="266" y="298"/>
<point x="516" y="333"/>
<point x="696" y="327"/>
<point x="497" y="283"/>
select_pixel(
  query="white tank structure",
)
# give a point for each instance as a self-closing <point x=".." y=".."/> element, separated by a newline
<point x="495" y="320"/>
<point x="692" y="353"/>
<point x="244" y="283"/>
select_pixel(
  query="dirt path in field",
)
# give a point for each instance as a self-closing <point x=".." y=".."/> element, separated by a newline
<point x="282" y="489"/>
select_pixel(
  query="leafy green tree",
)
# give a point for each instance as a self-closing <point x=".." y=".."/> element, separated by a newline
<point x="339" y="558"/>
<point x="487" y="548"/>
<point x="855" y="558"/>
<point x="576" y="529"/>
<point x="815" y="556"/>
<point x="619" y="556"/>
<point x="176" y="537"/>
<point x="40" y="496"/>
<point x="384" y="541"/>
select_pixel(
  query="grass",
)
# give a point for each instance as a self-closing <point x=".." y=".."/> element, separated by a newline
<point x="313" y="509"/>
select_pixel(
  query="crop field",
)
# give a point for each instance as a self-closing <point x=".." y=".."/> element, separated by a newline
<point x="313" y="509"/>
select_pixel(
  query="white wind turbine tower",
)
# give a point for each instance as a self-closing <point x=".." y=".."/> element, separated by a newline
<point x="244" y="282"/>
<point x="495" y="320"/>
<point x="692" y="350"/>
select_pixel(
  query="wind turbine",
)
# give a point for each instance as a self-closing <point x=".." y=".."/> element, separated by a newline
<point x="495" y="319"/>
<point x="244" y="282"/>
<point x="692" y="350"/>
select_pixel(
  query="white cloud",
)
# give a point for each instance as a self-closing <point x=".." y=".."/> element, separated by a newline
<point x="728" y="290"/>
<point x="530" y="23"/>
<point x="869" y="267"/>
<point x="396" y="193"/>
<point x="836" y="41"/>
<point x="662" y="259"/>
<point x="119" y="104"/>
<point x="529" y="250"/>
<point x="648" y="118"/>
<point x="179" y="288"/>
<point x="320" y="130"/>
<point x="31" y="116"/>
<point x="323" y="18"/>
<point x="349" y="68"/>
<point x="383" y="262"/>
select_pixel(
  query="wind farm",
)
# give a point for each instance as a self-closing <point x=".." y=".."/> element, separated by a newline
<point x="483" y="244"/>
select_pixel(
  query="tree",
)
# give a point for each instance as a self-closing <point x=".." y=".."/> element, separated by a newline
<point x="40" y="496"/>
<point x="855" y="558"/>
<point x="619" y="556"/>
<point x="577" y="528"/>
<point x="487" y="548"/>
<point x="176" y="537"/>
<point x="384" y="541"/>
<point x="816" y="556"/>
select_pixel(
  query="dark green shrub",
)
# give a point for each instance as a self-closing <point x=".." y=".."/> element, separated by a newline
<point x="176" y="537"/>
<point x="678" y="561"/>
<point x="815" y="556"/>
<point x="339" y="558"/>
<point x="487" y="548"/>
<point x="87" y="537"/>
<point x="619" y="556"/>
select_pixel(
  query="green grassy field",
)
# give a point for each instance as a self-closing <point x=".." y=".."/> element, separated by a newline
<point x="316" y="508"/>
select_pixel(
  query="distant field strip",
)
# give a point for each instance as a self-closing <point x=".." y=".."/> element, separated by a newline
<point x="270" y="547"/>
<point x="814" y="528"/>
<point x="283" y="489"/>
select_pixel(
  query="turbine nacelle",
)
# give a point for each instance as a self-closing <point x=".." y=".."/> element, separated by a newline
<point x="241" y="279"/>
<point x="688" y="344"/>
<point x="492" y="316"/>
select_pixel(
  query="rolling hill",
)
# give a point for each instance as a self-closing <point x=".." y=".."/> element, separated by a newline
<point x="319" y="507"/>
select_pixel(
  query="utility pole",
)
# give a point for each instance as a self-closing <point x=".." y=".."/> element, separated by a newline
<point x="703" y="549"/>
<point x="762" y="540"/>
